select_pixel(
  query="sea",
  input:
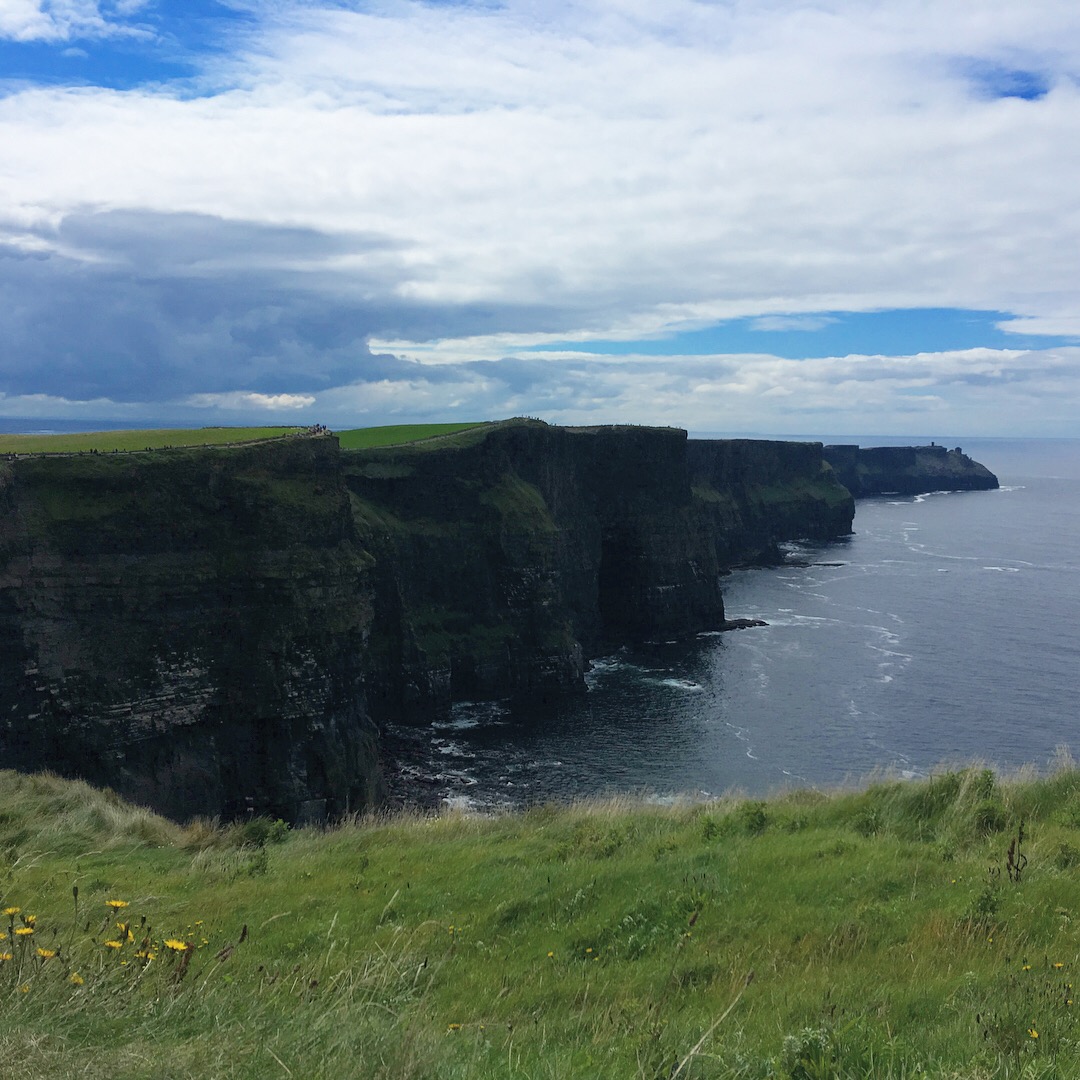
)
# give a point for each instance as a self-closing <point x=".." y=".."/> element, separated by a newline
<point x="945" y="631"/>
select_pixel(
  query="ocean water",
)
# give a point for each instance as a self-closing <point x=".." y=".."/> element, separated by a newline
<point x="945" y="630"/>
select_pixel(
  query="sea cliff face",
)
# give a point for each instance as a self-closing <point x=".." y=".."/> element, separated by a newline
<point x="183" y="626"/>
<point x="220" y="631"/>
<point x="907" y="470"/>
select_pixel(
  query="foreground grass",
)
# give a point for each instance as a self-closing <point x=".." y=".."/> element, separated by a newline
<point x="104" y="442"/>
<point x="870" y="934"/>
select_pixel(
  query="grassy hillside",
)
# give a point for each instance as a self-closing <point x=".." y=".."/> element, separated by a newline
<point x="874" y="934"/>
<point x="395" y="434"/>
<point x="104" y="442"/>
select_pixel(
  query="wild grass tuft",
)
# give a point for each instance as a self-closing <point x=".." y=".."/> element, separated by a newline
<point x="878" y="932"/>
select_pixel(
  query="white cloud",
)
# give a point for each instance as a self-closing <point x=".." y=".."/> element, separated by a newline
<point x="1062" y="325"/>
<point x="792" y="322"/>
<point x="244" y="401"/>
<point x="615" y="168"/>
<point x="61" y="20"/>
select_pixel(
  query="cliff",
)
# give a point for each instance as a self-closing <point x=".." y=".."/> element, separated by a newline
<point x="184" y="627"/>
<point x="906" y="470"/>
<point x="221" y="631"/>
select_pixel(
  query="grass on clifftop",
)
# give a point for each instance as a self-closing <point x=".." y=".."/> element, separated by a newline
<point x="906" y="930"/>
<point x="104" y="442"/>
<point x="397" y="434"/>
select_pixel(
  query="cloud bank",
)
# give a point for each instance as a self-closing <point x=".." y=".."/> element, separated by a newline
<point x="373" y="210"/>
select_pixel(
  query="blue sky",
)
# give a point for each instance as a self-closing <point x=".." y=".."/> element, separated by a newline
<point x="722" y="215"/>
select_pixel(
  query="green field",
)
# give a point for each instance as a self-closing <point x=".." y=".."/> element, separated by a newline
<point x="880" y="933"/>
<point x="107" y="441"/>
<point x="396" y="434"/>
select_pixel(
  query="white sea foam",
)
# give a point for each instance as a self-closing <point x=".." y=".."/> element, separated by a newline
<point x="679" y="684"/>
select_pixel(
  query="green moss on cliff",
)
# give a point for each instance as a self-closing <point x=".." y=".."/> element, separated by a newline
<point x="519" y="504"/>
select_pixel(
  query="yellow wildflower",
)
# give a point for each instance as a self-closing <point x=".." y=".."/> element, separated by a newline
<point x="588" y="950"/>
<point x="46" y="954"/>
<point x="1033" y="1033"/>
<point x="1058" y="966"/>
<point x="24" y="931"/>
<point x="116" y="905"/>
<point x="5" y="956"/>
<point x="1026" y="967"/>
<point x="176" y="945"/>
<point x="454" y="1027"/>
<point x="29" y="920"/>
<point x="76" y="979"/>
<point x="25" y="988"/>
<point x="550" y="955"/>
<point x="11" y="912"/>
<point x="113" y="945"/>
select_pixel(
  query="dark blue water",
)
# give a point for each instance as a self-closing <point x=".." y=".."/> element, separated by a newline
<point x="946" y="630"/>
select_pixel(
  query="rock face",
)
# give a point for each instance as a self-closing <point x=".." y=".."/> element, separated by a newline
<point x="907" y="470"/>
<point x="221" y="631"/>
<point x="184" y="627"/>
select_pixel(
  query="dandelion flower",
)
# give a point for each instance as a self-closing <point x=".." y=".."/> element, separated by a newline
<point x="1033" y="1033"/>
<point x="113" y="945"/>
<point x="11" y="912"/>
<point x="46" y="954"/>
<point x="24" y="931"/>
<point x="589" y="950"/>
<point x="29" y="920"/>
<point x="116" y="905"/>
<point x="1026" y="967"/>
<point x="76" y="979"/>
<point x="1058" y="966"/>
<point x="454" y="1027"/>
<point x="25" y="988"/>
<point x="5" y="956"/>
<point x="176" y="945"/>
<point x="550" y="955"/>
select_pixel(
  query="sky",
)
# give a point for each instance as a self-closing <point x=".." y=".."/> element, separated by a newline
<point x="761" y="216"/>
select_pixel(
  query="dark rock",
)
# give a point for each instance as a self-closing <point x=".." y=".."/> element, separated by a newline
<point x="906" y="470"/>
<point x="741" y="624"/>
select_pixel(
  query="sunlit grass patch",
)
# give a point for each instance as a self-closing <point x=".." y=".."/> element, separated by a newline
<point x="397" y="434"/>
<point x="105" y="442"/>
